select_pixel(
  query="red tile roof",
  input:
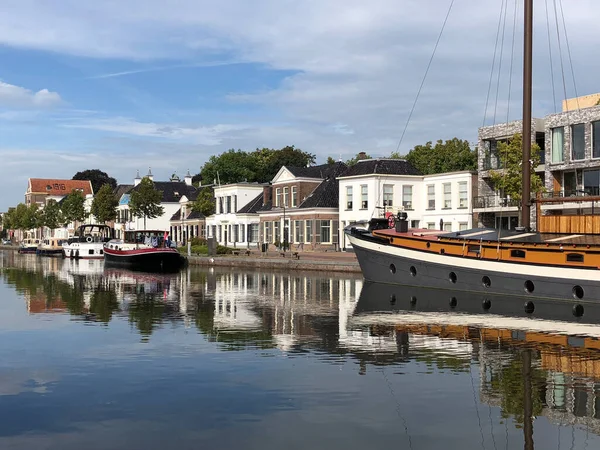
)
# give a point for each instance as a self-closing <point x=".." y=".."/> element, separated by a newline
<point x="58" y="187"/>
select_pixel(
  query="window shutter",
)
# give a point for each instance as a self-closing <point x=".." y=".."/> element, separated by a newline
<point x="235" y="203"/>
<point x="334" y="231"/>
<point x="317" y="228"/>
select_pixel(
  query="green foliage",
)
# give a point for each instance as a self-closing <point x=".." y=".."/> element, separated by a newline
<point x="52" y="215"/>
<point x="18" y="217"/>
<point x="73" y="207"/>
<point x="510" y="179"/>
<point x="261" y="165"/>
<point x="103" y="303"/>
<point x="32" y="217"/>
<point x="145" y="201"/>
<point x="330" y="160"/>
<point x="9" y="221"/>
<point x="205" y="202"/>
<point x="104" y="205"/>
<point x="358" y="157"/>
<point x="451" y="156"/>
<point x="97" y="178"/>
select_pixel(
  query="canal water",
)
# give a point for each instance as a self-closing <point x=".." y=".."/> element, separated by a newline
<point x="98" y="358"/>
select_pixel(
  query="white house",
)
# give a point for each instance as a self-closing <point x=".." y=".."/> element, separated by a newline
<point x="373" y="187"/>
<point x="174" y="194"/>
<point x="235" y="221"/>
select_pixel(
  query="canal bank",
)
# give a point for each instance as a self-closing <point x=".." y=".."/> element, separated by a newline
<point x="293" y="261"/>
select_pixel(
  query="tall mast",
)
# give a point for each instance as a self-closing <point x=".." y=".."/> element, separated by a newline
<point x="527" y="69"/>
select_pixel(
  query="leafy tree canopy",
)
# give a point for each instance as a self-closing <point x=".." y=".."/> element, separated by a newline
<point x="52" y="215"/>
<point x="73" y="207"/>
<point x="510" y="178"/>
<point x="205" y="202"/>
<point x="32" y="217"/>
<point x="450" y="156"/>
<point x="145" y="200"/>
<point x="97" y="178"/>
<point x="261" y="165"/>
<point x="358" y="157"/>
<point x="104" y="205"/>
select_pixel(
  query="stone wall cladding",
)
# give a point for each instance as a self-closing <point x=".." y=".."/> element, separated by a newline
<point x="566" y="119"/>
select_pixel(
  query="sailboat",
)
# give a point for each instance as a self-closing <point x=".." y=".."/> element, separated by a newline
<point x="482" y="260"/>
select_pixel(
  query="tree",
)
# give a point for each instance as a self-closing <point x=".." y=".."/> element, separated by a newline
<point x="358" y="157"/>
<point x="32" y="217"/>
<point x="104" y="205"/>
<point x="269" y="162"/>
<point x="145" y="200"/>
<point x="97" y="178"/>
<point x="451" y="156"/>
<point x="509" y="179"/>
<point x="73" y="207"/>
<point x="205" y="202"/>
<point x="232" y="166"/>
<point x="52" y="215"/>
<point x="18" y="217"/>
<point x="330" y="160"/>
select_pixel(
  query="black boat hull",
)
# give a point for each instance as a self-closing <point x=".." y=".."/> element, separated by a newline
<point x="149" y="261"/>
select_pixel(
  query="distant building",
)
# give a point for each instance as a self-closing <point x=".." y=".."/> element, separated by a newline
<point x="41" y="190"/>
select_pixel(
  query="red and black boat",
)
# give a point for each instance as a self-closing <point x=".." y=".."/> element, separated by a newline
<point x="146" y="250"/>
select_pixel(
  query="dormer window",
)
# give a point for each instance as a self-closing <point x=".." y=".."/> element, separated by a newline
<point x="48" y="187"/>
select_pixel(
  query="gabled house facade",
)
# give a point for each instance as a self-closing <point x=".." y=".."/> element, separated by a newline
<point x="236" y="221"/>
<point x="379" y="187"/>
<point x="41" y="190"/>
<point x="301" y="208"/>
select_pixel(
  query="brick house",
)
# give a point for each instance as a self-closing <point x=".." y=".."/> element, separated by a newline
<point x="41" y="190"/>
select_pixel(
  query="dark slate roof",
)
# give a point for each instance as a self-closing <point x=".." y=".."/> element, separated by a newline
<point x="323" y="171"/>
<point x="253" y="206"/>
<point x="381" y="167"/>
<point x="324" y="196"/>
<point x="174" y="190"/>
<point x="190" y="216"/>
<point x="122" y="189"/>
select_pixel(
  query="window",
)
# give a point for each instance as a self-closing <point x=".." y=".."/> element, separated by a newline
<point x="430" y="196"/>
<point x="575" y="257"/>
<point x="596" y="143"/>
<point x="517" y="253"/>
<point x="558" y="136"/>
<point x="285" y="196"/>
<point x="388" y="195"/>
<point x="277" y="197"/>
<point x="349" y="198"/>
<point x="268" y="232"/>
<point x="407" y="197"/>
<point x="463" y="198"/>
<point x="276" y="234"/>
<point x="569" y="184"/>
<point x="298" y="231"/>
<point x="578" y="141"/>
<point x="229" y="203"/>
<point x="591" y="182"/>
<point x="414" y="224"/>
<point x="447" y="196"/>
<point x="447" y="226"/>
<point x="294" y="196"/>
<point x="309" y="234"/>
<point x="253" y="234"/>
<point x="325" y="231"/>
<point x="462" y="226"/>
<point x="431" y="225"/>
<point x="364" y="201"/>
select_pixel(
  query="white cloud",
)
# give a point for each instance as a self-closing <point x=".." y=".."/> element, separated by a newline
<point x="12" y="96"/>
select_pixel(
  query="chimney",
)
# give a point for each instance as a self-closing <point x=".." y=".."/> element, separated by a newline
<point x="137" y="179"/>
<point x="188" y="178"/>
<point x="150" y="174"/>
<point x="362" y="155"/>
<point x="267" y="191"/>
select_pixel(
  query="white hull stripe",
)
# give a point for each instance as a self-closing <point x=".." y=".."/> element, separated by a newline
<point x="480" y="265"/>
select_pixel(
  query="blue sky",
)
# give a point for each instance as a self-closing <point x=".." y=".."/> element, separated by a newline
<point x="126" y="85"/>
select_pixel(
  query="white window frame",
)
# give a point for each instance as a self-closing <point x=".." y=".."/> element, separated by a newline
<point x="431" y="197"/>
<point x="447" y="195"/>
<point x="407" y="190"/>
<point x="462" y="184"/>
<point x="364" y="196"/>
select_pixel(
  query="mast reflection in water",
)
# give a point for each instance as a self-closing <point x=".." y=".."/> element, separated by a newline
<point x="104" y="358"/>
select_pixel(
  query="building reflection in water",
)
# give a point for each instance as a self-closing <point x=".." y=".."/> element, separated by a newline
<point x="524" y="371"/>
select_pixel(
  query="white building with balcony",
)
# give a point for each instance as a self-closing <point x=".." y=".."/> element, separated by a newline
<point x="376" y="187"/>
<point x="236" y="222"/>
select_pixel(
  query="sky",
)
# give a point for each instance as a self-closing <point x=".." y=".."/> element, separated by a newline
<point x="127" y="85"/>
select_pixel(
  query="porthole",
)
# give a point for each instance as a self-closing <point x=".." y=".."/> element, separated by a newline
<point x="393" y="298"/>
<point x="413" y="271"/>
<point x="577" y="292"/>
<point x="413" y="300"/>
<point x="486" y="281"/>
<point x="529" y="307"/>
<point x="452" y="277"/>
<point x="442" y="251"/>
<point x="486" y="304"/>
<point x="578" y="310"/>
<point x="392" y="268"/>
<point x="428" y="244"/>
<point x="529" y="286"/>
<point x="453" y="302"/>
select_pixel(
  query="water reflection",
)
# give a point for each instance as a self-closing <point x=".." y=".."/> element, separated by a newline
<point x="358" y="357"/>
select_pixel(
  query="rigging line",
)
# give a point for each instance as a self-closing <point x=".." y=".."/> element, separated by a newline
<point x="550" y="53"/>
<point x="569" y="52"/>
<point x="493" y="65"/>
<point x="562" y="69"/>
<point x="512" y="55"/>
<point x="397" y="407"/>
<point x="500" y="60"/>
<point x="425" y="76"/>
